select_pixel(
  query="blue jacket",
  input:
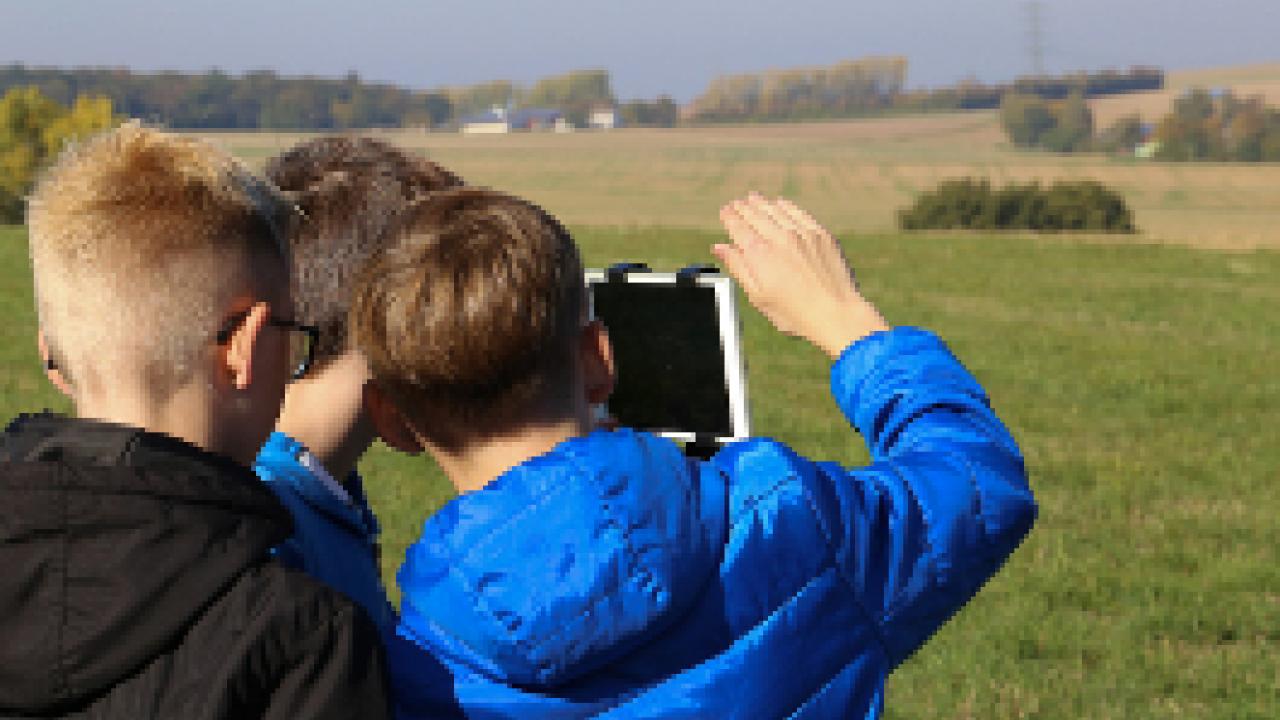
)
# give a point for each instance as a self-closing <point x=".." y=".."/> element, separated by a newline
<point x="332" y="541"/>
<point x="612" y="577"/>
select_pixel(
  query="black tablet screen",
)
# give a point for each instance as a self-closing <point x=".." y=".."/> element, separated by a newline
<point x="666" y="344"/>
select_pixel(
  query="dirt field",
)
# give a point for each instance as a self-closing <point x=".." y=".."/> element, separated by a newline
<point x="854" y="175"/>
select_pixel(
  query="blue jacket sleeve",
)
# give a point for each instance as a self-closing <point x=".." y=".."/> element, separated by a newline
<point x="945" y="500"/>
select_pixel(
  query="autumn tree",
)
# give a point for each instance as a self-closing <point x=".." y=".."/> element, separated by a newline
<point x="1072" y="127"/>
<point x="33" y="130"/>
<point x="1026" y="118"/>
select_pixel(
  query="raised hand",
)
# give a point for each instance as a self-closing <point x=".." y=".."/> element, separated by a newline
<point x="795" y="273"/>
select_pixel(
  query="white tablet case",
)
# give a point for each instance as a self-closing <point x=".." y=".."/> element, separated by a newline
<point x="735" y="371"/>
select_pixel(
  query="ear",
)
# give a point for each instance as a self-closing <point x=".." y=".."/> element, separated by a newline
<point x="388" y="421"/>
<point x="50" y="370"/>
<point x="245" y="340"/>
<point x="596" y="355"/>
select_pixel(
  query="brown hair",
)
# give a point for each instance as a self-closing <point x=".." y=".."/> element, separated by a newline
<point x="349" y="189"/>
<point x="469" y="318"/>
<point x="139" y="239"/>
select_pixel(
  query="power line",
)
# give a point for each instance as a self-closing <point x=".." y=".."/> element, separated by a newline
<point x="1035" y="22"/>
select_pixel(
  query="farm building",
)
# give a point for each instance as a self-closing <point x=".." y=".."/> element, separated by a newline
<point x="498" y="121"/>
<point x="540" y="119"/>
<point x="602" y="118"/>
<point x="487" y="123"/>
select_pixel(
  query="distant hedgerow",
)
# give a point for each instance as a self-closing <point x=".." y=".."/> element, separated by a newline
<point x="1081" y="206"/>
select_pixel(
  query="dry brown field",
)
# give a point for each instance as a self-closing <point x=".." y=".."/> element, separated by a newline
<point x="1244" y="80"/>
<point x="854" y="175"/>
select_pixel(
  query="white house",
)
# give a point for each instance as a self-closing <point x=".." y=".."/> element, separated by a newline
<point x="602" y="118"/>
<point x="493" y="122"/>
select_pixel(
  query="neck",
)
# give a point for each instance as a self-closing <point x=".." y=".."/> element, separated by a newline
<point x="338" y="446"/>
<point x="484" y="460"/>
<point x="175" y="419"/>
<point x="325" y="412"/>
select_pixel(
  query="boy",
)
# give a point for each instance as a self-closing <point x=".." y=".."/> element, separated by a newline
<point x="601" y="573"/>
<point x="134" y="537"/>
<point x="349" y="190"/>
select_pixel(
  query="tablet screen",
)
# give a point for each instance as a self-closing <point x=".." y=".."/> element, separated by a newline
<point x="667" y="348"/>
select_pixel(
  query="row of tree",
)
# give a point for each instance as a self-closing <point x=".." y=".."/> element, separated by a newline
<point x="264" y="100"/>
<point x="1219" y="127"/>
<point x="849" y="88"/>
<point x="33" y="129"/>
<point x="877" y="85"/>
<point x="1202" y="126"/>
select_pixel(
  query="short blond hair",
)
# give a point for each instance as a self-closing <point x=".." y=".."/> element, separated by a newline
<point x="138" y="239"/>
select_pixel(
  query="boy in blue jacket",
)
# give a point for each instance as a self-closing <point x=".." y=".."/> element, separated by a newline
<point x="588" y="572"/>
<point x="349" y="189"/>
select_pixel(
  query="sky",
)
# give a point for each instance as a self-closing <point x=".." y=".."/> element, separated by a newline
<point x="649" y="46"/>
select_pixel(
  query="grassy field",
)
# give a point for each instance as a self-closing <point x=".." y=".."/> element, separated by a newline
<point x="1141" y="383"/>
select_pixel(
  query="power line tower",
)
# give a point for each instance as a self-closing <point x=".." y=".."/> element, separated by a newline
<point x="1035" y="42"/>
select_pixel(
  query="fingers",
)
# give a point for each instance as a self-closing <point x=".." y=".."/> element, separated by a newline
<point x="735" y="263"/>
<point x="740" y="230"/>
<point x="778" y="220"/>
<point x="800" y="218"/>
<point x="757" y="213"/>
<point x="776" y="213"/>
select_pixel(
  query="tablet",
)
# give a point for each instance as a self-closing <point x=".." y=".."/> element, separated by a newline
<point x="678" y="352"/>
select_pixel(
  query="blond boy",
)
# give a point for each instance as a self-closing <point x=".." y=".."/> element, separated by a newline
<point x="134" y="537"/>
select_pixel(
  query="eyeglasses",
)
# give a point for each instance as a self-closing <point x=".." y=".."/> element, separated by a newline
<point x="302" y="340"/>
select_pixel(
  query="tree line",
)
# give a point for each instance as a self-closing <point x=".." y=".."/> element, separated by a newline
<point x="1202" y="126"/>
<point x="877" y="85"/>
<point x="1219" y="127"/>
<point x="262" y="100"/>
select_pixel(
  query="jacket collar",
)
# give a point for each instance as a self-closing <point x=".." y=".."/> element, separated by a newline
<point x="280" y="465"/>
<point x="566" y="560"/>
<point x="113" y="540"/>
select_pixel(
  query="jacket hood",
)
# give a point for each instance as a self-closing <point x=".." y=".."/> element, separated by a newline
<point x="112" y="540"/>
<point x="566" y="561"/>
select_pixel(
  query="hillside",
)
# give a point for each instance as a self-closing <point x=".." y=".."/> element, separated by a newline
<point x="1257" y="79"/>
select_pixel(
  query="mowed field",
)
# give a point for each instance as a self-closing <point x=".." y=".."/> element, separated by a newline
<point x="852" y="174"/>
<point x="1140" y="381"/>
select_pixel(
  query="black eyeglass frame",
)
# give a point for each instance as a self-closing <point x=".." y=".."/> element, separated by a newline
<point x="312" y="331"/>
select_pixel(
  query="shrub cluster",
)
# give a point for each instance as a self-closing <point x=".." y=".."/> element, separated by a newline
<point x="967" y="203"/>
<point x="1061" y="126"/>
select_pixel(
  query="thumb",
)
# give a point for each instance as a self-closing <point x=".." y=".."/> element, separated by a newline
<point x="732" y="257"/>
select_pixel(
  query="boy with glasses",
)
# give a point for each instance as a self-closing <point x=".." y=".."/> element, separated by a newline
<point x="134" y="537"/>
<point x="349" y="191"/>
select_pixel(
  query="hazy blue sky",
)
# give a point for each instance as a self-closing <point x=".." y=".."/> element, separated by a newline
<point x="649" y="46"/>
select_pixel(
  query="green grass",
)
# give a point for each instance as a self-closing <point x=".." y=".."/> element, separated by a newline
<point x="1141" y="383"/>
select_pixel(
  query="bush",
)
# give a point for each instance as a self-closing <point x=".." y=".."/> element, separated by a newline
<point x="1061" y="126"/>
<point x="1080" y="206"/>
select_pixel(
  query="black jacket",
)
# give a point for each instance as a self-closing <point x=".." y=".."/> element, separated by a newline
<point x="136" y="582"/>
